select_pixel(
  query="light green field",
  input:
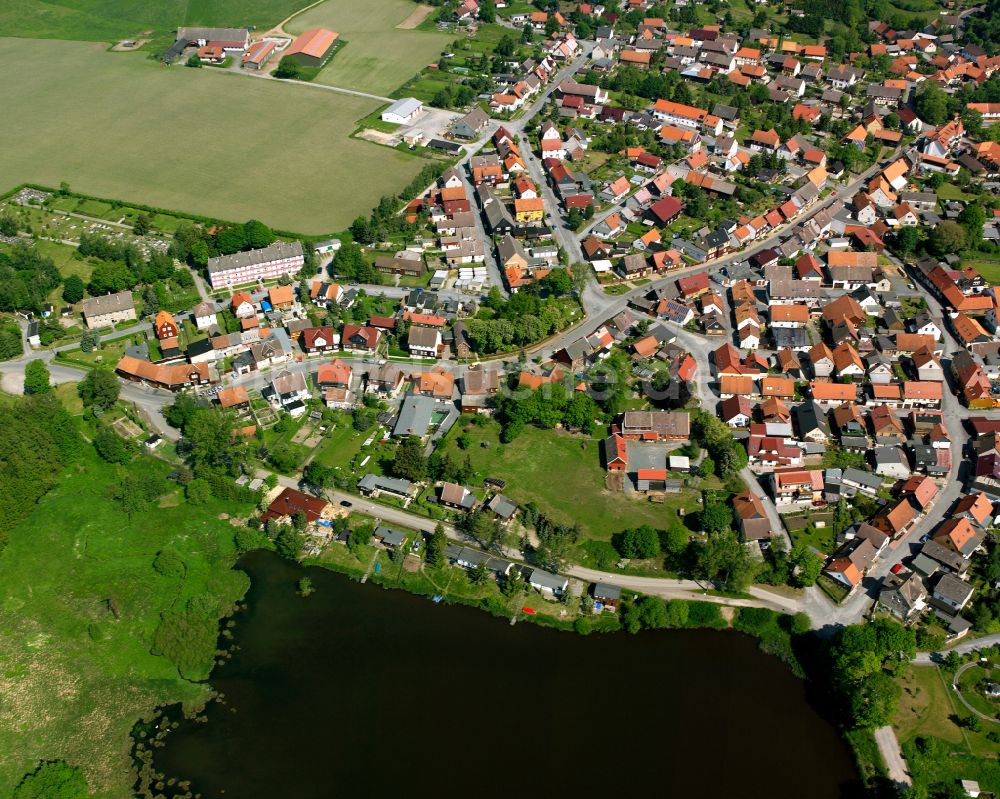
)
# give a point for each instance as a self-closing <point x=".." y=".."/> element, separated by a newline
<point x="75" y="675"/>
<point x="199" y="140"/>
<point x="110" y="20"/>
<point x="563" y="475"/>
<point x="377" y="57"/>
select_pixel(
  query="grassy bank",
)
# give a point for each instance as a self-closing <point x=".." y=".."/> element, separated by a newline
<point x="933" y="728"/>
<point x="82" y="607"/>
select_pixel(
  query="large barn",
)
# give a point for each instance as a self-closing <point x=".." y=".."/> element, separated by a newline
<point x="313" y="47"/>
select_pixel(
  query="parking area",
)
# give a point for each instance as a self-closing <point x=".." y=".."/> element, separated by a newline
<point x="433" y="123"/>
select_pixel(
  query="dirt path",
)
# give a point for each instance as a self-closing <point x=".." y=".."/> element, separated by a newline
<point x="892" y="755"/>
<point x="420" y="13"/>
<point x="279" y="29"/>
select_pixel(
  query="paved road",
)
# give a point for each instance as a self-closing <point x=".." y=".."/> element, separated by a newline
<point x="954" y="686"/>
<point x="671" y="589"/>
<point x="964" y="648"/>
<point x="888" y="745"/>
<point x="338" y="89"/>
<point x="953" y="487"/>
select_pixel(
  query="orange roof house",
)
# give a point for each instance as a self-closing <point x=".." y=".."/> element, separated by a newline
<point x="978" y="506"/>
<point x="437" y="382"/>
<point x="833" y="392"/>
<point x="281" y="296"/>
<point x="165" y="325"/>
<point x="335" y="373"/>
<point x="233" y="397"/>
<point x="956" y="534"/>
<point x="312" y="46"/>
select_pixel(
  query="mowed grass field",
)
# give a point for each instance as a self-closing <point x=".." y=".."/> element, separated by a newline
<point x="563" y="475"/>
<point x="110" y="20"/>
<point x="377" y="57"/>
<point x="198" y="140"/>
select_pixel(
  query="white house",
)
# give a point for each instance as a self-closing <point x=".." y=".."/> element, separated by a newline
<point x="204" y="315"/>
<point x="403" y="112"/>
<point x="289" y="391"/>
<point x="424" y="342"/>
<point x="547" y="583"/>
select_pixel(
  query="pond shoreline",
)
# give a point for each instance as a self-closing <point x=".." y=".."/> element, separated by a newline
<point x="249" y="622"/>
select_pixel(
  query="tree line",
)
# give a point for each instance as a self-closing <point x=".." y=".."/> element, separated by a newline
<point x="38" y="438"/>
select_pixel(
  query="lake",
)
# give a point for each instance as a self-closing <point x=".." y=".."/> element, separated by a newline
<point x="361" y="691"/>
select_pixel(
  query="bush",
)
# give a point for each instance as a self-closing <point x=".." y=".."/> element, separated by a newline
<point x="168" y="563"/>
<point x="198" y="491"/>
<point x="111" y="446"/>
<point x="247" y="540"/>
<point x="187" y="639"/>
<point x="602" y="554"/>
<point x="54" y="779"/>
<point x="638" y="542"/>
<point x="705" y="614"/>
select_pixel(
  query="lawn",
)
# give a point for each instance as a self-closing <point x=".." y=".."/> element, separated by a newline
<point x="378" y="56"/>
<point x="970" y="678"/>
<point x="949" y="191"/>
<point x="343" y="445"/>
<point x="927" y="708"/>
<point x="116" y="126"/>
<point x="110" y="20"/>
<point x="79" y="604"/>
<point x="926" y="711"/>
<point x="563" y="475"/>
<point x="990" y="270"/>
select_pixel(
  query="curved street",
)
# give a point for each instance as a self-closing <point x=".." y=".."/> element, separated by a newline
<point x="958" y="692"/>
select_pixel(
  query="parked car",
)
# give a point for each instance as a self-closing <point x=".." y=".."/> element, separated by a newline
<point x="345" y="504"/>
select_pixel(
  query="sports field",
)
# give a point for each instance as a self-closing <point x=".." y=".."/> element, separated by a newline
<point x="377" y="56"/>
<point x="109" y="20"/>
<point x="203" y="141"/>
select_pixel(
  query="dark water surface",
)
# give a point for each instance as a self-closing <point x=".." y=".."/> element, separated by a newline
<point x="359" y="691"/>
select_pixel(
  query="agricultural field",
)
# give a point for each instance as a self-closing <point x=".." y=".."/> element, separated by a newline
<point x="296" y="170"/>
<point x="378" y="55"/>
<point x="110" y="20"/>
<point x="563" y="475"/>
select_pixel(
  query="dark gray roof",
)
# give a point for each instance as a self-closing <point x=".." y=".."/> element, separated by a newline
<point x="953" y="589"/>
<point x="390" y="537"/>
<point x="414" y="416"/>
<point x="273" y="252"/>
<point x="809" y="417"/>
<point x="544" y="579"/>
<point x="605" y="591"/>
<point x="396" y="485"/>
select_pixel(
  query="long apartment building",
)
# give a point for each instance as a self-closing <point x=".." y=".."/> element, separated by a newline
<point x="679" y="114"/>
<point x="267" y="263"/>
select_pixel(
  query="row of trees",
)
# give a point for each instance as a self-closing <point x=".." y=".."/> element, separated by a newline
<point x="351" y="263"/>
<point x="864" y="661"/>
<point x="38" y="439"/>
<point x="26" y="278"/>
<point x="726" y="456"/>
<point x="196" y="244"/>
<point x="524" y="318"/>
